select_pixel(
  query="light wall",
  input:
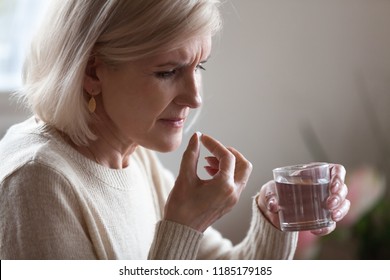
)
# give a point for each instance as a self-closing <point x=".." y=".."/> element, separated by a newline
<point x="291" y="81"/>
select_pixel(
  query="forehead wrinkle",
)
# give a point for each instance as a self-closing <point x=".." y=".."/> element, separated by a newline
<point x="186" y="55"/>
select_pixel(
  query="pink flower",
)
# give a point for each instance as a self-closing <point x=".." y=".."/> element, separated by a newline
<point x="366" y="186"/>
<point x="308" y="246"/>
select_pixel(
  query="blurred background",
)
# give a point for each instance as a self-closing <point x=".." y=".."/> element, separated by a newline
<point x="289" y="81"/>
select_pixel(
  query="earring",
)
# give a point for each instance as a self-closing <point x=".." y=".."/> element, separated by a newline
<point x="92" y="105"/>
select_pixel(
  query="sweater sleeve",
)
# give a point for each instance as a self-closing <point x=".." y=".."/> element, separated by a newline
<point x="175" y="242"/>
<point x="40" y="217"/>
<point x="263" y="241"/>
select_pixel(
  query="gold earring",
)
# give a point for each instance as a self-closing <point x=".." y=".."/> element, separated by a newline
<point x="92" y="105"/>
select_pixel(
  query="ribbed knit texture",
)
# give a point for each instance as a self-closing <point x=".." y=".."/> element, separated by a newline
<point x="175" y="242"/>
<point x="57" y="204"/>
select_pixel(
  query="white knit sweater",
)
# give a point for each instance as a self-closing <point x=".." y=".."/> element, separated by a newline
<point x="57" y="204"/>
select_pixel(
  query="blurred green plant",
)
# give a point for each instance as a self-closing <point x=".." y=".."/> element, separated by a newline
<point x="373" y="232"/>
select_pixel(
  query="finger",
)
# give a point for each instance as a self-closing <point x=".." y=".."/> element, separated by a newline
<point x="213" y="166"/>
<point x="271" y="202"/>
<point x="337" y="175"/>
<point x="213" y="162"/>
<point x="267" y="203"/>
<point x="324" y="231"/>
<point x="268" y="197"/>
<point x="243" y="168"/>
<point x="190" y="158"/>
<point x="339" y="213"/>
<point x="223" y="155"/>
<point x="337" y="170"/>
<point x="335" y="199"/>
<point x="211" y="171"/>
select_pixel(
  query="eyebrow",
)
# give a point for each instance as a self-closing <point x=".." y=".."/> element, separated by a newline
<point x="179" y="64"/>
<point x="171" y="63"/>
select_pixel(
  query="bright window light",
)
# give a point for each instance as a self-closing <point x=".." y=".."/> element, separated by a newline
<point x="18" y="22"/>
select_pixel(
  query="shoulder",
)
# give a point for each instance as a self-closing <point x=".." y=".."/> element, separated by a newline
<point x="40" y="210"/>
<point x="34" y="179"/>
<point x="28" y="150"/>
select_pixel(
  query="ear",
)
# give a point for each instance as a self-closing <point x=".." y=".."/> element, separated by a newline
<point x="92" y="83"/>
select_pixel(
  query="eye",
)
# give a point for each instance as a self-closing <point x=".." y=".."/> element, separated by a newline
<point x="200" y="66"/>
<point x="165" y="74"/>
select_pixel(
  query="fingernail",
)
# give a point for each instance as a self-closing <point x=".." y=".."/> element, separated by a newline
<point x="318" y="231"/>
<point x="193" y="138"/>
<point x="271" y="204"/>
<point x="336" y="186"/>
<point x="336" y="215"/>
<point x="196" y="136"/>
<point x="334" y="202"/>
<point x="268" y="195"/>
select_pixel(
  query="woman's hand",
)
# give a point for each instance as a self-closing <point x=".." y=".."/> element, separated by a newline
<point x="337" y="202"/>
<point x="199" y="203"/>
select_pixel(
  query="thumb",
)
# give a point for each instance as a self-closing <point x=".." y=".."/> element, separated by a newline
<point x="268" y="197"/>
<point x="189" y="162"/>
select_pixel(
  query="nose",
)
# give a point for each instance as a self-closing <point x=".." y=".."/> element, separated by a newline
<point x="190" y="91"/>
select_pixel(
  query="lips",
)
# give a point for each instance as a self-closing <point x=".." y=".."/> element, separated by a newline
<point x="175" y="122"/>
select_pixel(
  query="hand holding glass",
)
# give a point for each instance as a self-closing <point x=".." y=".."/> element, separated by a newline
<point x="302" y="191"/>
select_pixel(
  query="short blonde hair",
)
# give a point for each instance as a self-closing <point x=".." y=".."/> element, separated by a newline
<point x="116" y="31"/>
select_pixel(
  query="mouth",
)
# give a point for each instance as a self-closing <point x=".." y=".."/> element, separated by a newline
<point x="173" y="122"/>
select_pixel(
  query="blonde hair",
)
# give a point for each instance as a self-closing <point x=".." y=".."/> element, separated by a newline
<point x="116" y="31"/>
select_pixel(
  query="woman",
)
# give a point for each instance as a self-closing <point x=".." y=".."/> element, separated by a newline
<point x="109" y="82"/>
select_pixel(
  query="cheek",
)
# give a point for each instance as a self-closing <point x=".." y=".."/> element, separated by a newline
<point x="158" y="105"/>
<point x="121" y="96"/>
<point x="136" y="110"/>
<point x="140" y="98"/>
<point x="158" y="97"/>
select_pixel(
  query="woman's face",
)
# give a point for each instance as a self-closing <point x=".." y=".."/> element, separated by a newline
<point x="146" y="102"/>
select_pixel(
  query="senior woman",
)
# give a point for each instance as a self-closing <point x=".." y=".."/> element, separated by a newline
<point x="109" y="82"/>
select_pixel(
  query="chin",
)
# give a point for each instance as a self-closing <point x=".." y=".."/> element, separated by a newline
<point x="168" y="148"/>
<point x="169" y="145"/>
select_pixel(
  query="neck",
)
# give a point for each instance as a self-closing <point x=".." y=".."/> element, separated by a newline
<point x="106" y="154"/>
<point x="110" y="149"/>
